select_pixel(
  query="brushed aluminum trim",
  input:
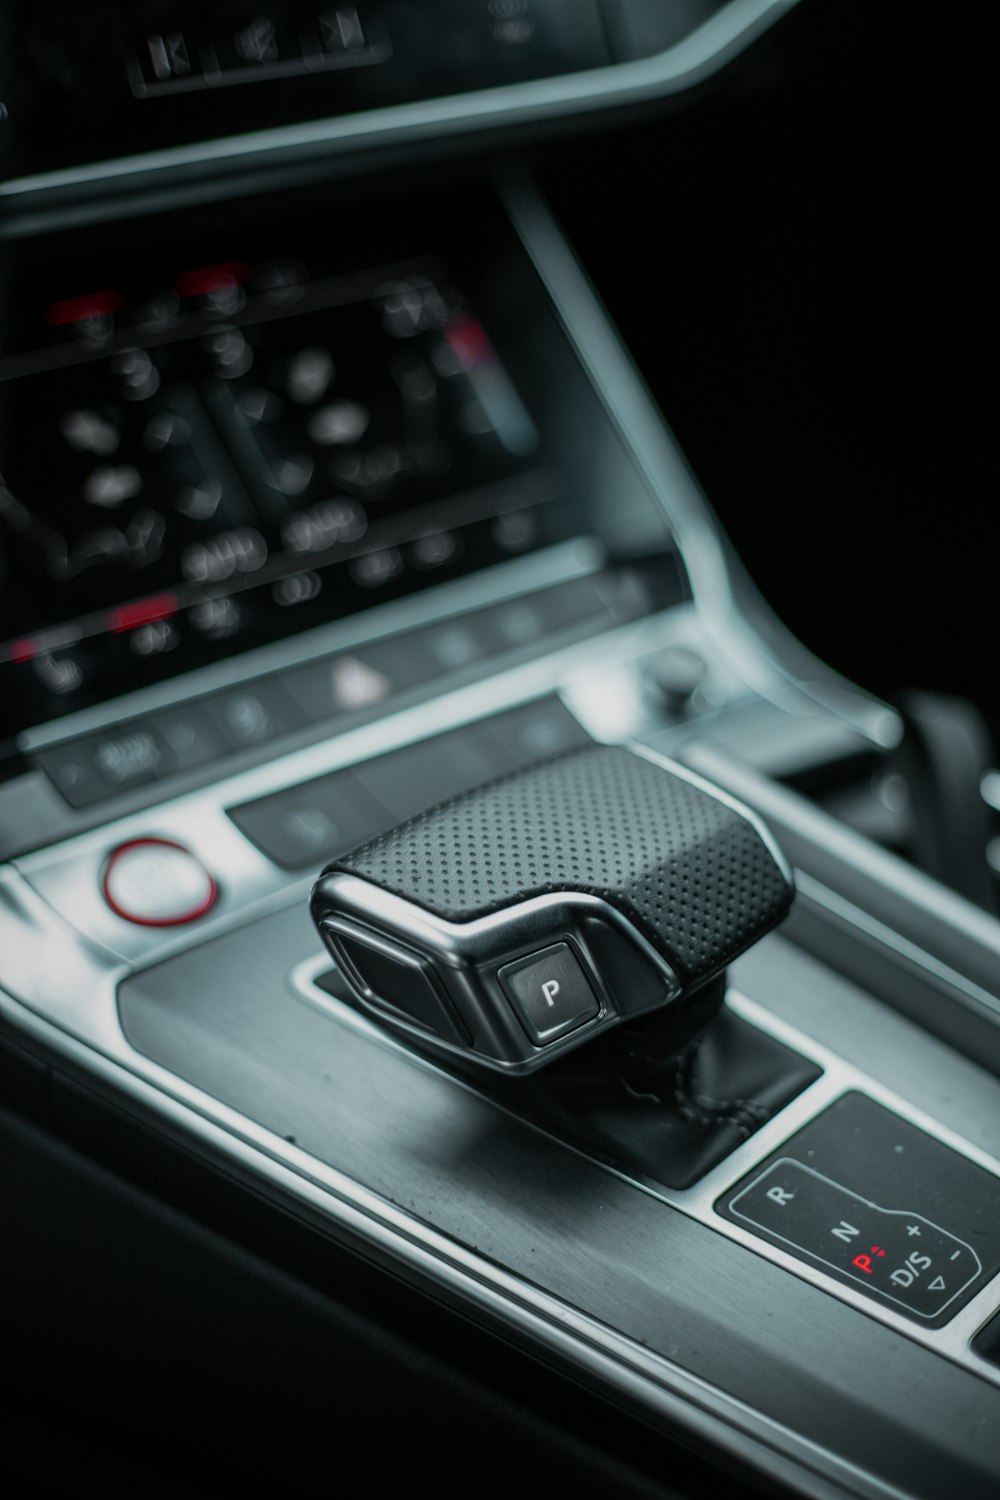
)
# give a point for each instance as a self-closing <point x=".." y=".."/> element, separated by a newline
<point x="965" y="990"/>
<point x="646" y="1380"/>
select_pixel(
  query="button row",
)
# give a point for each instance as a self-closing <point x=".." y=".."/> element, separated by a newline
<point x="181" y="739"/>
<point x="348" y="686"/>
<point x="261" y="46"/>
<point x="157" y="883"/>
<point x="437" y="47"/>
<point x="306" y="825"/>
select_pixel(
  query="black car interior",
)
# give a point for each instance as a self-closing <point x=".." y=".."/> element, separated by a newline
<point x="499" y="808"/>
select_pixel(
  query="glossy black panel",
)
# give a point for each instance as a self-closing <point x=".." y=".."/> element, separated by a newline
<point x="882" y="1206"/>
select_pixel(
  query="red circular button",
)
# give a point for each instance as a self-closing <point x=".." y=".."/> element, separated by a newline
<point x="157" y="883"/>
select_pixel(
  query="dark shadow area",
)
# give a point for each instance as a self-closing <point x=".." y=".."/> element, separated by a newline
<point x="197" y="1341"/>
<point x="799" y="268"/>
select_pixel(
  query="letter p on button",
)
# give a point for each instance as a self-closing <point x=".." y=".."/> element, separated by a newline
<point x="550" y="993"/>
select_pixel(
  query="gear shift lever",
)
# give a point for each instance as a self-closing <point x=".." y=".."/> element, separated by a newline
<point x="521" y="920"/>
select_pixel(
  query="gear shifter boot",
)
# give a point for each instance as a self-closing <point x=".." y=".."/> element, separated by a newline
<point x="662" y="1116"/>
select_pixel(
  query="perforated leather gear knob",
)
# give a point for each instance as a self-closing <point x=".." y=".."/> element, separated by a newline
<point x="519" y="920"/>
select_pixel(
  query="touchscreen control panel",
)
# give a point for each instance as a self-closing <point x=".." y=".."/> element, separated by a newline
<point x="231" y="459"/>
<point x="238" y="454"/>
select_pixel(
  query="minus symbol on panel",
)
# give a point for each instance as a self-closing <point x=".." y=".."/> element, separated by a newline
<point x="955" y="1256"/>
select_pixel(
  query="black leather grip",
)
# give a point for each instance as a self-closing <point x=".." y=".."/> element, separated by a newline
<point x="694" y="876"/>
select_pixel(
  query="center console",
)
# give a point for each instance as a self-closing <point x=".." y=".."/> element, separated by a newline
<point x="310" y="525"/>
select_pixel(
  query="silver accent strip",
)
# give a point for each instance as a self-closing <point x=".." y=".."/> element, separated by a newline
<point x="697" y="56"/>
<point x="646" y="434"/>
<point x="965" y="989"/>
<point x="67" y="976"/>
<point x="812" y="824"/>
<point x="914" y="887"/>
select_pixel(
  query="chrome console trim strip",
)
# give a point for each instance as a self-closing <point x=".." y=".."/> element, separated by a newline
<point x="647" y="435"/>
<point x="965" y="990"/>
<point x="719" y="39"/>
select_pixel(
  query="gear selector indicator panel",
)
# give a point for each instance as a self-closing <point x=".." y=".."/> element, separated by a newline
<point x="893" y="1251"/>
<point x="880" y="1204"/>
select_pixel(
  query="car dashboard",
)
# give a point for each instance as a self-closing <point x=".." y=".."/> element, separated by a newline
<point x="329" y="492"/>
